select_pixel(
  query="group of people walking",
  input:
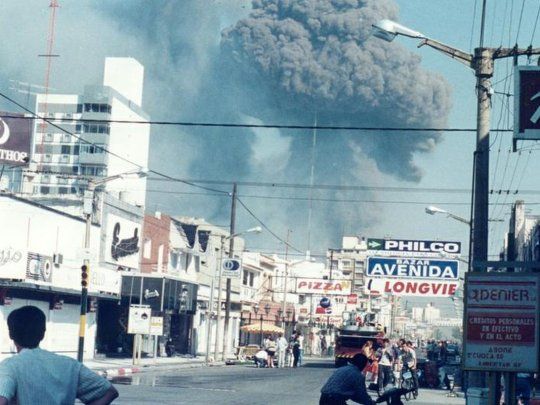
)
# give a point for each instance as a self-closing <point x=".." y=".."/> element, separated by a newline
<point x="289" y="353"/>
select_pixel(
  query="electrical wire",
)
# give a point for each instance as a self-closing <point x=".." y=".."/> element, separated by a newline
<point x="102" y="148"/>
<point x="520" y="20"/>
<point x="535" y="24"/>
<point x="235" y="125"/>
<point x="250" y="212"/>
<point x="473" y="24"/>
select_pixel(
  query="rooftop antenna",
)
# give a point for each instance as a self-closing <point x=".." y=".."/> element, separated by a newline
<point x="49" y="55"/>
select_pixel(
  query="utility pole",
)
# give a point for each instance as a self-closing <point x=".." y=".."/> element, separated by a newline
<point x="284" y="302"/>
<point x="228" y="288"/>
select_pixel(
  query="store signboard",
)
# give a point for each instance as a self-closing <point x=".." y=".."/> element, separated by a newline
<point x="122" y="242"/>
<point x="501" y="322"/>
<point x="231" y="268"/>
<point x="12" y="263"/>
<point x="139" y="319"/>
<point x="406" y="247"/>
<point x="527" y="103"/>
<point x="412" y="268"/>
<point x="156" y="325"/>
<point x="15" y="139"/>
<point x="411" y="287"/>
<point x="323" y="287"/>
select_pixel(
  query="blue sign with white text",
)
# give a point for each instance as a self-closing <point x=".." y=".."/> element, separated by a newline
<point x="434" y="269"/>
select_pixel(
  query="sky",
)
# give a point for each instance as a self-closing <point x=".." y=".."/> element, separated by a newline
<point x="203" y="63"/>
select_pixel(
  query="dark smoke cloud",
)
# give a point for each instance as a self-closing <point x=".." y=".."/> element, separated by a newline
<point x="286" y="62"/>
<point x="318" y="56"/>
<point x="267" y="62"/>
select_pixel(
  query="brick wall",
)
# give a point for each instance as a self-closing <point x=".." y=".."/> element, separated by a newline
<point x="156" y="228"/>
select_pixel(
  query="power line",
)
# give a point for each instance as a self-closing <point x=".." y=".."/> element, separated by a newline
<point x="535" y="24"/>
<point x="50" y="122"/>
<point x="235" y="125"/>
<point x="265" y="226"/>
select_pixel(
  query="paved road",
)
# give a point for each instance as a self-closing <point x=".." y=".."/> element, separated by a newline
<point x="240" y="385"/>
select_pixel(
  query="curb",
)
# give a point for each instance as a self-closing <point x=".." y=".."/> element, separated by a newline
<point x="125" y="371"/>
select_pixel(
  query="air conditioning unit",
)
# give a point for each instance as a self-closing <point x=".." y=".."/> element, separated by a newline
<point x="47" y="158"/>
<point x="64" y="159"/>
<point x="69" y="115"/>
<point x="49" y="137"/>
<point x="58" y="259"/>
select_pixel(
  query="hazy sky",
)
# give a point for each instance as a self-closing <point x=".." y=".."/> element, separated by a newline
<point x="87" y="31"/>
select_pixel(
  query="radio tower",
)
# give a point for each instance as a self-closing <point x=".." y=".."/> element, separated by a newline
<point x="49" y="56"/>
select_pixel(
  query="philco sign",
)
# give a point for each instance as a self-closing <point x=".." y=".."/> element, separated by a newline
<point x="398" y="246"/>
<point x="319" y="286"/>
<point x="15" y="136"/>
<point x="527" y="103"/>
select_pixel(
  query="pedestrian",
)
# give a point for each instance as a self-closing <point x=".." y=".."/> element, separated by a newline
<point x="300" y="340"/>
<point x="524" y="382"/>
<point x="386" y="360"/>
<point x="37" y="376"/>
<point x="347" y="383"/>
<point x="324" y="346"/>
<point x="281" y="346"/>
<point x="410" y="361"/>
<point x="296" y="351"/>
<point x="290" y="356"/>
<point x="444" y="353"/>
<point x="260" y="358"/>
<point x="270" y="348"/>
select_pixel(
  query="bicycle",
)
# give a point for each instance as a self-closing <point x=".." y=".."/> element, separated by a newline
<point x="407" y="383"/>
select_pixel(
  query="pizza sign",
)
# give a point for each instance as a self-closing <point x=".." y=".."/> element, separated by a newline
<point x="324" y="287"/>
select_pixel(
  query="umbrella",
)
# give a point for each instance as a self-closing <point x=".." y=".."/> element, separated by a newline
<point x="266" y="328"/>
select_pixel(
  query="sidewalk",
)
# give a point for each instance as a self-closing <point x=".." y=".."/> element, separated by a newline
<point x="111" y="367"/>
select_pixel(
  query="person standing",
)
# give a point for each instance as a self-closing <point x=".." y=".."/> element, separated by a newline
<point x="290" y="356"/>
<point x="270" y="347"/>
<point x="37" y="376"/>
<point x="411" y="364"/>
<point x="386" y="360"/>
<point x="296" y="351"/>
<point x="300" y="340"/>
<point x="347" y="383"/>
<point x="324" y="346"/>
<point x="281" y="346"/>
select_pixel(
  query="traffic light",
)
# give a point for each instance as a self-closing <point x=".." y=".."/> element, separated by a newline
<point x="84" y="276"/>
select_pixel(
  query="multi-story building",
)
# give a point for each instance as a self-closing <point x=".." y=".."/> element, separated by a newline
<point x="349" y="262"/>
<point x="65" y="161"/>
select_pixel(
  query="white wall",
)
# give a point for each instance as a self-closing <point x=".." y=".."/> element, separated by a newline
<point x="131" y="141"/>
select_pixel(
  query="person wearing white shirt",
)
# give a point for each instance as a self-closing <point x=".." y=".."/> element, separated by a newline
<point x="281" y="346"/>
<point x="300" y="340"/>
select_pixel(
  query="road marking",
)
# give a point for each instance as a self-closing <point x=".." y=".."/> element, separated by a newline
<point x="207" y="389"/>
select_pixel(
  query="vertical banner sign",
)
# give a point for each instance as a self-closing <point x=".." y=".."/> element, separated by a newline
<point x="527" y="103"/>
<point x="15" y="139"/>
<point x="501" y="322"/>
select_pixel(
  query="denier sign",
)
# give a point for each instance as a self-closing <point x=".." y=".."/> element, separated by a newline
<point x="15" y="139"/>
<point x="418" y="246"/>
<point x="501" y="322"/>
<point x="320" y="286"/>
<point x="527" y="103"/>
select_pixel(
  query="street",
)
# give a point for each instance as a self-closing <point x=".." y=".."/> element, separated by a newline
<point x="241" y="384"/>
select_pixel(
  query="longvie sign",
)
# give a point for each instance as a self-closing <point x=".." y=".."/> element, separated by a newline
<point x="501" y="322"/>
<point x="411" y="287"/>
<point x="320" y="286"/>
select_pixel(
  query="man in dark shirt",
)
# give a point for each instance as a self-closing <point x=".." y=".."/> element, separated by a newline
<point x="346" y="383"/>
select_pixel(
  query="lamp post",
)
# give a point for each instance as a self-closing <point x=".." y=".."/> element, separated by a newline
<point x="88" y="209"/>
<point x="482" y="62"/>
<point x="224" y="238"/>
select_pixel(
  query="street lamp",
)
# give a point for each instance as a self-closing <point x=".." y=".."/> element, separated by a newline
<point x="88" y="209"/>
<point x="482" y="62"/>
<point x="223" y="238"/>
<point x="431" y="210"/>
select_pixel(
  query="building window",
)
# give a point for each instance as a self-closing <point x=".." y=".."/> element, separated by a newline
<point x="45" y="190"/>
<point x="65" y="150"/>
<point x="96" y="128"/>
<point x="78" y="128"/>
<point x="73" y="190"/>
<point x="245" y="278"/>
<point x="98" y="148"/>
<point x="147" y="248"/>
<point x="62" y="190"/>
<point x="94" y="107"/>
<point x="174" y="260"/>
<point x="251" y="279"/>
<point x="79" y="108"/>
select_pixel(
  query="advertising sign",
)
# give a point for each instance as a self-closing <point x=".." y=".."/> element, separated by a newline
<point x="12" y="263"/>
<point x="15" y="139"/>
<point x="156" y="325"/>
<point x="231" y="268"/>
<point x="399" y="247"/>
<point x="122" y="242"/>
<point x="433" y="269"/>
<point x="527" y="103"/>
<point x="320" y="286"/>
<point x="139" y="319"/>
<point x="501" y="322"/>
<point x="411" y="287"/>
<point x="39" y="267"/>
<point x="352" y="299"/>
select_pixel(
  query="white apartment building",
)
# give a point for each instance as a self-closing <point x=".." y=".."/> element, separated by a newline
<point x="67" y="161"/>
